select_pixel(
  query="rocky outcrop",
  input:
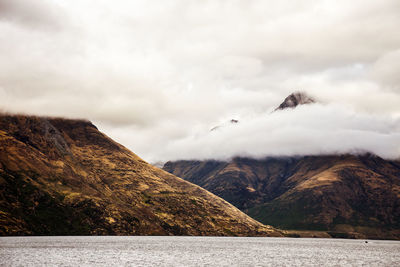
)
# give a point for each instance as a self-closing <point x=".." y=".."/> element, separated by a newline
<point x="64" y="177"/>
<point x="294" y="100"/>
<point x="232" y="121"/>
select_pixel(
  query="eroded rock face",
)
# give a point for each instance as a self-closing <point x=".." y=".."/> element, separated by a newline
<point x="347" y="195"/>
<point x="294" y="100"/>
<point x="64" y="177"/>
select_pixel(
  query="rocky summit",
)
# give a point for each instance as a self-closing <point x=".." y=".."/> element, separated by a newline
<point x="294" y="100"/>
<point x="65" y="177"/>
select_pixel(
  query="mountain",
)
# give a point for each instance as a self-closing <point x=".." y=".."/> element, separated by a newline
<point x="65" y="177"/>
<point x="341" y="195"/>
<point x="232" y="121"/>
<point x="347" y="196"/>
<point x="294" y="100"/>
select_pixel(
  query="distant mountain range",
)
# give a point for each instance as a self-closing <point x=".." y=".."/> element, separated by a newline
<point x="356" y="196"/>
<point x="64" y="177"/>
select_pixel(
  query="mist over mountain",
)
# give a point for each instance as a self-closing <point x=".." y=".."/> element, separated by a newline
<point x="294" y="100"/>
<point x="317" y="129"/>
<point x="162" y="73"/>
<point x="337" y="186"/>
<point x="290" y="110"/>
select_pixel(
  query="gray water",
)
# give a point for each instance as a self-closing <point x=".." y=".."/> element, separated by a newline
<point x="195" y="251"/>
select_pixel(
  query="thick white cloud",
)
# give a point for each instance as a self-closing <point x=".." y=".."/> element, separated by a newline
<point x="386" y="70"/>
<point x="311" y="129"/>
<point x="156" y="75"/>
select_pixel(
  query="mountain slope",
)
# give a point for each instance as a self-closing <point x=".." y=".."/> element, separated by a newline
<point x="64" y="177"/>
<point x="353" y="196"/>
<point x="346" y="195"/>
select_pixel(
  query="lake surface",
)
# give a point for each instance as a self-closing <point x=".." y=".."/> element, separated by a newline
<point x="195" y="251"/>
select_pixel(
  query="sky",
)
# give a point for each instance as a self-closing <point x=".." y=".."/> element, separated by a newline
<point x="156" y="76"/>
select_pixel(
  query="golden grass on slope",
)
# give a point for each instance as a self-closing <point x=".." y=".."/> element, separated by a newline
<point x="104" y="186"/>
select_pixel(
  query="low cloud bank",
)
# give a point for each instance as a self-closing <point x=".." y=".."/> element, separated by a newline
<point x="307" y="130"/>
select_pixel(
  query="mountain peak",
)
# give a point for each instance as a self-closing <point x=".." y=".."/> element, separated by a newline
<point x="65" y="177"/>
<point x="232" y="121"/>
<point x="295" y="99"/>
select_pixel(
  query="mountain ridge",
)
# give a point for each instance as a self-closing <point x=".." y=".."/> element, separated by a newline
<point x="64" y="177"/>
<point x="354" y="196"/>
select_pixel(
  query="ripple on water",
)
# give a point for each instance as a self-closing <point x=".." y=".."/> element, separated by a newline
<point x="195" y="251"/>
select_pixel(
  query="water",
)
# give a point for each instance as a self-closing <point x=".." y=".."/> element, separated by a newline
<point x="195" y="251"/>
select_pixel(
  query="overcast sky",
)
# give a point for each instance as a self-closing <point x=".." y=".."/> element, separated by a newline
<point x="158" y="75"/>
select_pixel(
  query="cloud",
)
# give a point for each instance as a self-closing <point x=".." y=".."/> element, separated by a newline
<point x="32" y="14"/>
<point x="153" y="74"/>
<point x="384" y="70"/>
<point x="307" y="130"/>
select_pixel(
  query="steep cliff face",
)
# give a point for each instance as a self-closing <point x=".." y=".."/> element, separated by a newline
<point x="64" y="177"/>
<point x="348" y="196"/>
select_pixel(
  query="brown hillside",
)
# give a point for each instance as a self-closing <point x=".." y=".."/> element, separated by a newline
<point x="347" y="196"/>
<point x="64" y="177"/>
